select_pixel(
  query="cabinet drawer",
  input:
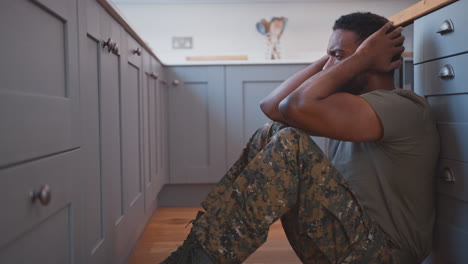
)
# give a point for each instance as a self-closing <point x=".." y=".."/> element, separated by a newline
<point x="49" y="242"/>
<point x="428" y="44"/>
<point x="428" y="82"/>
<point x="450" y="244"/>
<point x="457" y="189"/>
<point x="449" y="108"/>
<point x="39" y="101"/>
<point x="452" y="123"/>
<point x="454" y="142"/>
<point x="23" y="219"/>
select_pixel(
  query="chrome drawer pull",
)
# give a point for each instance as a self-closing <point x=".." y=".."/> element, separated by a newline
<point x="446" y="27"/>
<point x="44" y="195"/>
<point x="448" y="175"/>
<point x="447" y="72"/>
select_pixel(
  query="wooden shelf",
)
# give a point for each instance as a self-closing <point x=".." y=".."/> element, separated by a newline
<point x="417" y="10"/>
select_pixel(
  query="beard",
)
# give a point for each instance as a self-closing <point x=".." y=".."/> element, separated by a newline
<point x="356" y="86"/>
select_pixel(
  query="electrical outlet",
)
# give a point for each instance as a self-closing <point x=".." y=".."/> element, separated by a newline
<point x="182" y="42"/>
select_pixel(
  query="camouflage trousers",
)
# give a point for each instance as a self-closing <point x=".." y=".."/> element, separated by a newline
<point x="283" y="174"/>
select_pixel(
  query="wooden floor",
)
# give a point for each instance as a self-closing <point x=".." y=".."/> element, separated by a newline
<point x="166" y="231"/>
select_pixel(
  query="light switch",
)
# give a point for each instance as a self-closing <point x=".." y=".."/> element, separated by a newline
<point x="182" y="42"/>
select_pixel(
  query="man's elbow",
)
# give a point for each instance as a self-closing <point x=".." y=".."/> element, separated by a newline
<point x="264" y="107"/>
<point x="288" y="109"/>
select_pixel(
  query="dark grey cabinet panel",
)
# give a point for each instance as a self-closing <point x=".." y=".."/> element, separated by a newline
<point x="100" y="75"/>
<point x="160" y="118"/>
<point x="113" y="212"/>
<point x="196" y="124"/>
<point x="57" y="249"/>
<point x="246" y="86"/>
<point x="95" y="234"/>
<point x="39" y="91"/>
<point x="80" y="125"/>
<point x="428" y="82"/>
<point x="451" y="232"/>
<point x="45" y="231"/>
<point x="155" y="177"/>
<point x="440" y="76"/>
<point x="432" y="45"/>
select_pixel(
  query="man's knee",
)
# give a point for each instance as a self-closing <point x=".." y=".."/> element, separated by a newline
<point x="297" y="136"/>
<point x="293" y="132"/>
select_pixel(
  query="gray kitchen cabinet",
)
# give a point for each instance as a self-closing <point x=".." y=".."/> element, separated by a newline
<point x="440" y="72"/>
<point x="41" y="230"/>
<point x="196" y="123"/>
<point x="101" y="95"/>
<point x="77" y="124"/>
<point x="156" y="102"/>
<point x="153" y="109"/>
<point x="39" y="131"/>
<point x="39" y="92"/>
<point x="246" y="86"/>
<point x="149" y="121"/>
<point x="130" y="221"/>
<point x="162" y="113"/>
<point x="115" y="136"/>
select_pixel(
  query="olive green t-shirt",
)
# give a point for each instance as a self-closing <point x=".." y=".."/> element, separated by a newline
<point x="393" y="177"/>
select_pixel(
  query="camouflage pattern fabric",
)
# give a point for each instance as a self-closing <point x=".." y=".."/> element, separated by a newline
<point x="282" y="173"/>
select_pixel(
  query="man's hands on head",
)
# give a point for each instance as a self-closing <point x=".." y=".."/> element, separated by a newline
<point x="310" y="100"/>
<point x="270" y="104"/>
<point x="379" y="49"/>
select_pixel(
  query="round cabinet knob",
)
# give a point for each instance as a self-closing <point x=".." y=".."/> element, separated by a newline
<point x="447" y="72"/>
<point x="154" y="75"/>
<point x="446" y="27"/>
<point x="176" y="82"/>
<point x="137" y="51"/>
<point x="44" y="195"/>
<point x="448" y="175"/>
<point x="116" y="49"/>
<point x="110" y="44"/>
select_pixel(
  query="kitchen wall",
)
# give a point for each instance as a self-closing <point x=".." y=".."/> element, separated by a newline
<point x="229" y="29"/>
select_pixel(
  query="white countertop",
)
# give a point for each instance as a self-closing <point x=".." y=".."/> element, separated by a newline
<point x="239" y="62"/>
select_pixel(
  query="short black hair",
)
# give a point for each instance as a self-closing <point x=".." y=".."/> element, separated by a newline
<point x="363" y="24"/>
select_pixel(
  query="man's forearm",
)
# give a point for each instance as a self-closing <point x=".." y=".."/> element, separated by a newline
<point x="331" y="80"/>
<point x="270" y="104"/>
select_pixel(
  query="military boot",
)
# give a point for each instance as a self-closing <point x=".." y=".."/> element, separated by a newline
<point x="190" y="252"/>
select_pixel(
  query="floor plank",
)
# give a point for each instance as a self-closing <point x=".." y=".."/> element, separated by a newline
<point x="166" y="231"/>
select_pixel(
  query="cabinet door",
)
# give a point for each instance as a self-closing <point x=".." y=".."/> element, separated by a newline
<point x="246" y="86"/>
<point x="148" y="118"/>
<point x="101" y="79"/>
<point x="155" y="177"/>
<point x="130" y="198"/>
<point x="160" y="100"/>
<point x="39" y="92"/>
<point x="39" y="231"/>
<point x="196" y="124"/>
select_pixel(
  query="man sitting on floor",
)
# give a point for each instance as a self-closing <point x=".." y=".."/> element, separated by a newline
<point x="369" y="201"/>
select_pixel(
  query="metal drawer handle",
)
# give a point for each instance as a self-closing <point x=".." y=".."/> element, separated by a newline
<point x="448" y="175"/>
<point x="110" y="44"/>
<point x="137" y="51"/>
<point x="44" y="195"/>
<point x="154" y="75"/>
<point x="446" y="27"/>
<point x="447" y="72"/>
